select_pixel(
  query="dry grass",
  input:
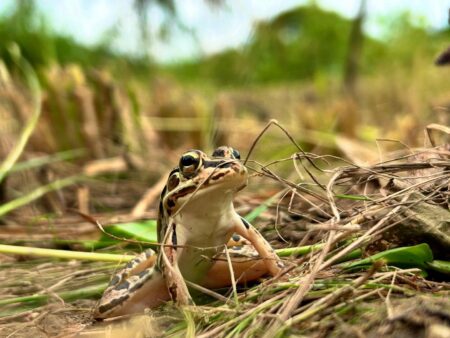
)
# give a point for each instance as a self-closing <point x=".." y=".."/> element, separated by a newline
<point x="345" y="207"/>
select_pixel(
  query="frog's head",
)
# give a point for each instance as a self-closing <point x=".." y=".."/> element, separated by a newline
<point x="199" y="177"/>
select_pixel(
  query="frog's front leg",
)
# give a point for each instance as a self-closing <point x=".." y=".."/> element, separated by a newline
<point x="271" y="260"/>
<point x="175" y="283"/>
<point x="137" y="286"/>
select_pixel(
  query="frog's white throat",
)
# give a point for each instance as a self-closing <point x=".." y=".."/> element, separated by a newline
<point x="207" y="216"/>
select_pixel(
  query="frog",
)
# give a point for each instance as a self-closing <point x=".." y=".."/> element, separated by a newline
<point x="196" y="222"/>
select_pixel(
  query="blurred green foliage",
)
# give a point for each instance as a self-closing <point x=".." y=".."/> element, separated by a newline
<point x="308" y="42"/>
<point x="304" y="43"/>
<point x="26" y="27"/>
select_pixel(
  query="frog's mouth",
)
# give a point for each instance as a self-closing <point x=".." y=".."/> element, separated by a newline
<point x="217" y="181"/>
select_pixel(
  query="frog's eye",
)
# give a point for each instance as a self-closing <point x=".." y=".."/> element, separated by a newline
<point x="189" y="163"/>
<point x="236" y="154"/>
<point x="173" y="181"/>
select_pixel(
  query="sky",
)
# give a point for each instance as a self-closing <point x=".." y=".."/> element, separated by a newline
<point x="215" y="28"/>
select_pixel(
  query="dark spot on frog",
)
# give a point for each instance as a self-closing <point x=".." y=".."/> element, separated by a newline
<point x="163" y="192"/>
<point x="174" y="236"/>
<point x="130" y="264"/>
<point x="173" y="182"/>
<point x="218" y="164"/>
<point x="246" y="224"/>
<point x="182" y="192"/>
<point x="211" y="164"/>
<point x="185" y="191"/>
<point x="113" y="303"/>
<point x="161" y="209"/>
<point x="114" y="280"/>
<point x="173" y="291"/>
<point x="144" y="276"/>
<point x="217" y="176"/>
<point x="236" y="237"/>
<point x="219" y="152"/>
<point x="123" y="285"/>
<point x="143" y="273"/>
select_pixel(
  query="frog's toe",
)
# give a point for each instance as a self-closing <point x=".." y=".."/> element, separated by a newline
<point x="237" y="240"/>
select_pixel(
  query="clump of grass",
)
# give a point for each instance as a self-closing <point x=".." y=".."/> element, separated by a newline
<point x="318" y="287"/>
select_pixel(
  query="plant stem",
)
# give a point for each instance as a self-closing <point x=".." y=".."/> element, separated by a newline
<point x="64" y="254"/>
<point x="88" y="292"/>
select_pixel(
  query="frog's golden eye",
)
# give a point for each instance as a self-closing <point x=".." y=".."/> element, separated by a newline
<point x="189" y="163"/>
<point x="236" y="154"/>
<point x="173" y="181"/>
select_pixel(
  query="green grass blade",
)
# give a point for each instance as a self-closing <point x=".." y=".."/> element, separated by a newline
<point x="37" y="193"/>
<point x="440" y="266"/>
<point x="88" y="292"/>
<point x="144" y="231"/>
<point x="44" y="160"/>
<point x="63" y="254"/>
<point x="417" y="256"/>
<point x="353" y="197"/>
<point x="298" y="251"/>
<point x="94" y="256"/>
<point x="190" y="324"/>
<point x="35" y="88"/>
<point x="251" y="216"/>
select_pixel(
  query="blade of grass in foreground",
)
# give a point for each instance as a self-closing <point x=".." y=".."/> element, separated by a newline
<point x="35" y="88"/>
<point x="144" y="231"/>
<point x="94" y="256"/>
<point x="64" y="254"/>
<point x="44" y="160"/>
<point x="88" y="292"/>
<point x="418" y="256"/>
<point x="37" y="193"/>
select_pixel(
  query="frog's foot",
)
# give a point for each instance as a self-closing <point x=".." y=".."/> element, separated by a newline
<point x="138" y="286"/>
<point x="175" y="283"/>
<point x="176" y="286"/>
<point x="141" y="285"/>
<point x="247" y="266"/>
<point x="237" y="241"/>
<point x="273" y="263"/>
